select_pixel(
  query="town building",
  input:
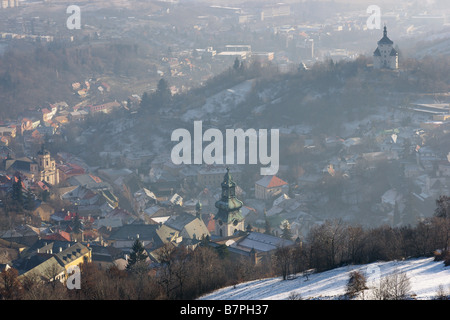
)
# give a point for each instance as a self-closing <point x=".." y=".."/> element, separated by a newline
<point x="229" y="217"/>
<point x="52" y="260"/>
<point x="212" y="175"/>
<point x="269" y="187"/>
<point x="42" y="168"/>
<point x="45" y="170"/>
<point x="385" y="56"/>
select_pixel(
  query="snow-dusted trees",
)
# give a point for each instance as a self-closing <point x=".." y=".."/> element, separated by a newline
<point x="395" y="286"/>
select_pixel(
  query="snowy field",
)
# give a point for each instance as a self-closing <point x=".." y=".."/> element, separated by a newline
<point x="221" y="103"/>
<point x="425" y="277"/>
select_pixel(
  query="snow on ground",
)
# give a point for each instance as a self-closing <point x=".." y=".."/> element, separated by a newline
<point x="425" y="276"/>
<point x="220" y="103"/>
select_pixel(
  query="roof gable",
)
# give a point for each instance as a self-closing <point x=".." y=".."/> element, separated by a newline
<point x="271" y="182"/>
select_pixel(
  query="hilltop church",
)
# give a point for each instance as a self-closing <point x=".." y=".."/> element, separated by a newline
<point x="385" y="56"/>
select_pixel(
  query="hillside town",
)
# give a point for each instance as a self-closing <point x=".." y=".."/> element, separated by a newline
<point x="78" y="212"/>
<point x="82" y="181"/>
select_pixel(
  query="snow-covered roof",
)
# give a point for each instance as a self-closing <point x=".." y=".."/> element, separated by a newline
<point x="262" y="242"/>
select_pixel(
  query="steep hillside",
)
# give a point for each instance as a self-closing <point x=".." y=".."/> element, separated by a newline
<point x="425" y="277"/>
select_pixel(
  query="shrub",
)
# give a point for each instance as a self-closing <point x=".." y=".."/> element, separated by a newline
<point x="356" y="283"/>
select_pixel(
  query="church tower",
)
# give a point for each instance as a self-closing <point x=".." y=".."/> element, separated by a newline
<point x="385" y="56"/>
<point x="46" y="168"/>
<point x="229" y="218"/>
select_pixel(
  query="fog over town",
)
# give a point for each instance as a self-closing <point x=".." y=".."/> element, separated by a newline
<point x="175" y="147"/>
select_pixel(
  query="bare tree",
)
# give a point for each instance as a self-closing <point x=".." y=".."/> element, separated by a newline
<point x="356" y="284"/>
<point x="283" y="260"/>
<point x="173" y="271"/>
<point x="441" y="294"/>
<point x="52" y="273"/>
<point x="10" y="287"/>
<point x="395" y="286"/>
<point x="355" y="242"/>
<point x="442" y="212"/>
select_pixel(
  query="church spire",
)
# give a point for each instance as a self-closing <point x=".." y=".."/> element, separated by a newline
<point x="385" y="31"/>
<point x="198" y="209"/>
<point x="229" y="216"/>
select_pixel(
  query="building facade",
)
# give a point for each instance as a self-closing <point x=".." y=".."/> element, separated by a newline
<point x="44" y="168"/>
<point x="385" y="56"/>
<point x="229" y="217"/>
<point x="269" y="187"/>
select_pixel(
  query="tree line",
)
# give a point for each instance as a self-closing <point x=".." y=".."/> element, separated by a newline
<point x="335" y="243"/>
<point x="183" y="273"/>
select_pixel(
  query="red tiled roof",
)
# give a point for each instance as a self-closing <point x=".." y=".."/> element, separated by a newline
<point x="71" y="169"/>
<point x="276" y="182"/>
<point x="61" y="235"/>
<point x="271" y="182"/>
<point x="95" y="178"/>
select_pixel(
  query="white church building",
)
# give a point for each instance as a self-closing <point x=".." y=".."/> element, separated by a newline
<point x="385" y="56"/>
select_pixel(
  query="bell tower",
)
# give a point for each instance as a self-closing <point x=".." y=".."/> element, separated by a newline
<point x="46" y="168"/>
<point x="229" y="218"/>
<point x="385" y="56"/>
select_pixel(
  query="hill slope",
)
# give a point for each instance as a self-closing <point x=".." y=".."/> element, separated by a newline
<point x="425" y="276"/>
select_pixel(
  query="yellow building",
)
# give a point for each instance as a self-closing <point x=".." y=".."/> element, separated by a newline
<point x="56" y="265"/>
<point x="74" y="255"/>
<point x="44" y="168"/>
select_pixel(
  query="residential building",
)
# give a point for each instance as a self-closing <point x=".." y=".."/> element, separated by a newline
<point x="188" y="226"/>
<point x="52" y="260"/>
<point x="125" y="236"/>
<point x="255" y="246"/>
<point x="212" y="175"/>
<point x="89" y="181"/>
<point x="105" y="108"/>
<point x="269" y="187"/>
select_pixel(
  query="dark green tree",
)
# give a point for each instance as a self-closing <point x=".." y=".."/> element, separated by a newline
<point x="268" y="227"/>
<point x="222" y="251"/>
<point x="29" y="200"/>
<point x="77" y="226"/>
<point x="286" y="232"/>
<point x="146" y="101"/>
<point x="442" y="207"/>
<point x="236" y="64"/>
<point x="138" y="255"/>
<point x="17" y="191"/>
<point x="162" y="96"/>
